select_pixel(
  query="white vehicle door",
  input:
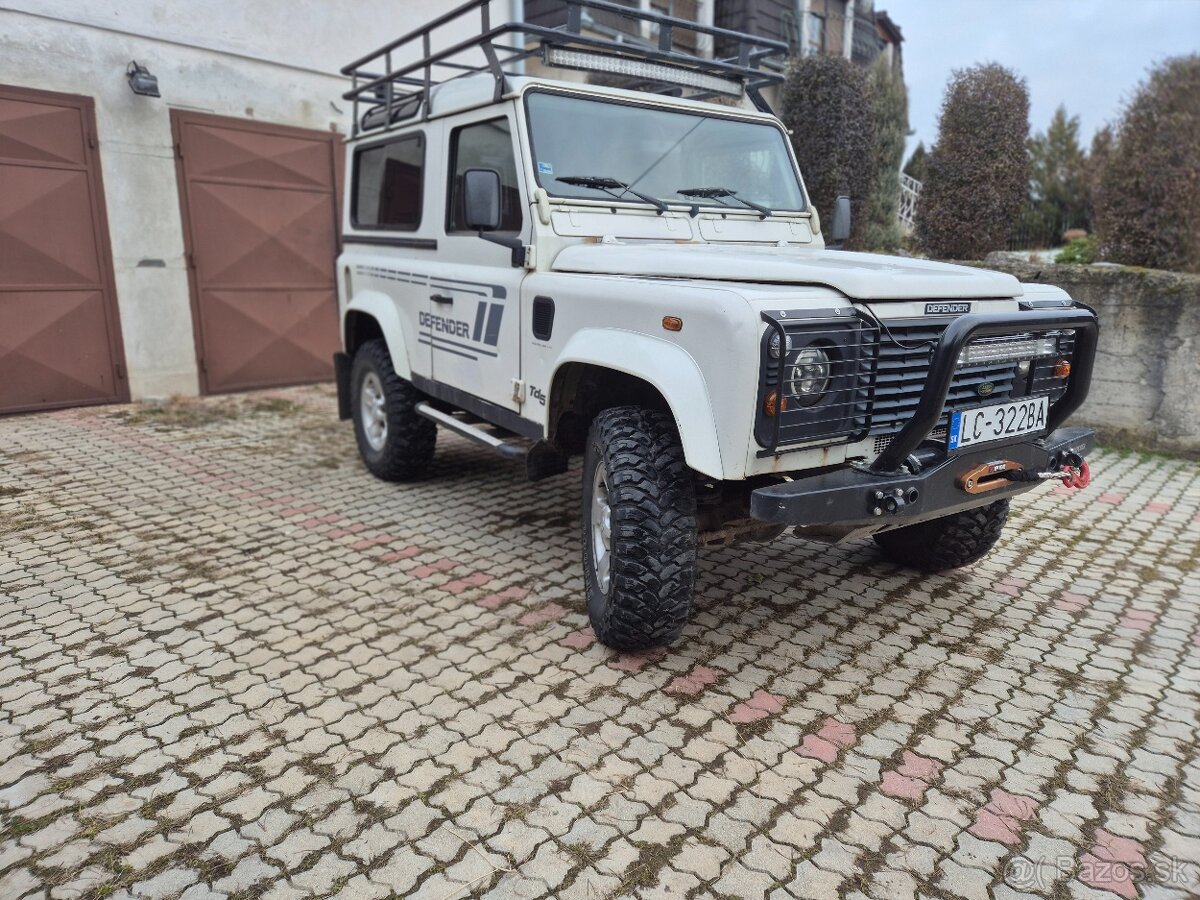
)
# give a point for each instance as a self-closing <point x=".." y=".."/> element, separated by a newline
<point x="392" y="179"/>
<point x="474" y="321"/>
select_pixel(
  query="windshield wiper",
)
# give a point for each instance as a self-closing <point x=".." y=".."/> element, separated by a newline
<point x="608" y="185"/>
<point x="719" y="193"/>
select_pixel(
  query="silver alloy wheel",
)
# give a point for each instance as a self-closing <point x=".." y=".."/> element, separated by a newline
<point x="601" y="529"/>
<point x="374" y="411"/>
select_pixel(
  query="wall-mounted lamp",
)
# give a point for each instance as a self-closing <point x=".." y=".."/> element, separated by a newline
<point x="141" y="82"/>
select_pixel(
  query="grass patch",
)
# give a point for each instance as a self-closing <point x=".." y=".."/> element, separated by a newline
<point x="194" y="412"/>
<point x="518" y="812"/>
<point x="643" y="872"/>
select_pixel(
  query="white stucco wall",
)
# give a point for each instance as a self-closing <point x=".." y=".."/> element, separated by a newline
<point x="268" y="60"/>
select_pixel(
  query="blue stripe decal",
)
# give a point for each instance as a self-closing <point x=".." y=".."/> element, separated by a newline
<point x="492" y="335"/>
<point x="480" y="312"/>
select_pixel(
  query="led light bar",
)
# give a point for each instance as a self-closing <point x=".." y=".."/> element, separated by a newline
<point x="636" y="68"/>
<point x="1007" y="351"/>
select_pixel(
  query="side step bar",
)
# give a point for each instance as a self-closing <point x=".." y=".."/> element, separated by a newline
<point x="471" y="432"/>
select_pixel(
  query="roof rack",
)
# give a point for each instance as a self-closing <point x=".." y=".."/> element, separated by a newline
<point x="396" y="91"/>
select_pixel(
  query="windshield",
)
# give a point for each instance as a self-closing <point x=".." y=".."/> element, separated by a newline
<point x="657" y="152"/>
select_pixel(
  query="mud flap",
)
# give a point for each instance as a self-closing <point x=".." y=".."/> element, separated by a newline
<point x="341" y="373"/>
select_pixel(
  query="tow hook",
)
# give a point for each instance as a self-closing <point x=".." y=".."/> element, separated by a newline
<point x="1075" y="472"/>
<point x="1071" y="468"/>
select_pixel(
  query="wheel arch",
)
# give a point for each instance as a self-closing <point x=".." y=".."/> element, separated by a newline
<point x="369" y="315"/>
<point x="600" y="368"/>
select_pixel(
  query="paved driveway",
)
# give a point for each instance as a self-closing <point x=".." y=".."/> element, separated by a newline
<point x="233" y="664"/>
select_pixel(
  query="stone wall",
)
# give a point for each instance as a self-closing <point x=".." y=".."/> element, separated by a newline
<point x="1146" y="389"/>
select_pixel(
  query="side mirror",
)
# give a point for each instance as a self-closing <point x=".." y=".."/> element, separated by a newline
<point x="481" y="199"/>
<point x="839" y="230"/>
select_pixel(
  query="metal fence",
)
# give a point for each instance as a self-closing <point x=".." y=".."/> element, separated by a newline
<point x="1034" y="230"/>
<point x="910" y="194"/>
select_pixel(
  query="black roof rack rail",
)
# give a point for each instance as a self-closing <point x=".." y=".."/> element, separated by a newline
<point x="396" y="90"/>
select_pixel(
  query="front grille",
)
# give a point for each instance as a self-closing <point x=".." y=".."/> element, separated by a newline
<point x="904" y="355"/>
<point x="883" y="377"/>
<point x="905" y="352"/>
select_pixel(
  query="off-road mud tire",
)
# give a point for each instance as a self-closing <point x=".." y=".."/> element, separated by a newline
<point x="408" y="447"/>
<point x="947" y="543"/>
<point x="652" y="502"/>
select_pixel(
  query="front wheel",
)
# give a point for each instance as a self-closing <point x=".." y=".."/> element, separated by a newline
<point x="947" y="543"/>
<point x="639" y="529"/>
<point x="394" y="440"/>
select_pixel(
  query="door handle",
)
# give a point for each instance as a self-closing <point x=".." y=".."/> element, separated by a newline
<point x="441" y="298"/>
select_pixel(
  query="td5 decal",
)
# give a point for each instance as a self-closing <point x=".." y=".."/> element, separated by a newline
<point x="537" y="394"/>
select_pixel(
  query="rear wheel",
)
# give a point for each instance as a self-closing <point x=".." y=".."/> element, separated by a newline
<point x="639" y="529"/>
<point x="395" y="442"/>
<point x="947" y="543"/>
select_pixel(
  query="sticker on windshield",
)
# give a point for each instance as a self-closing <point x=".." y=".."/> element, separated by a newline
<point x="545" y="168"/>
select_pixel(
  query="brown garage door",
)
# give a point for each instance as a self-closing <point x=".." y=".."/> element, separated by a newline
<point x="60" y="342"/>
<point x="260" y="222"/>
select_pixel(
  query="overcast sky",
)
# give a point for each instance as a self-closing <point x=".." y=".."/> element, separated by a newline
<point x="1087" y="54"/>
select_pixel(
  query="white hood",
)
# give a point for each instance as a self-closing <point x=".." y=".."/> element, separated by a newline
<point x="860" y="276"/>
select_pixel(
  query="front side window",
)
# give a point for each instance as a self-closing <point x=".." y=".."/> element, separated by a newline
<point x="582" y="146"/>
<point x="486" y="145"/>
<point x="388" y="184"/>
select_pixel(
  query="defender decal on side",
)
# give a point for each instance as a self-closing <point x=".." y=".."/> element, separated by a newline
<point x="485" y="330"/>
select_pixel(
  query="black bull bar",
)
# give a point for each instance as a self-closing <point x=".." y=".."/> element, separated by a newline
<point x="850" y="495"/>
<point x="961" y="332"/>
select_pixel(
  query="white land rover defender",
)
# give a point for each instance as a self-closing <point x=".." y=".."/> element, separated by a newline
<point x="553" y="268"/>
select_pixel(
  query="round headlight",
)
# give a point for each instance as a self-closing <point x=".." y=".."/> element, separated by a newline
<point x="810" y="375"/>
<point x="774" y="345"/>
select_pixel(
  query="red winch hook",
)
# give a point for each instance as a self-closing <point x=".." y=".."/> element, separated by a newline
<point x="1079" y="476"/>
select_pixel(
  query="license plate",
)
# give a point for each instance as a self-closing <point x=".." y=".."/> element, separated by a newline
<point x="995" y="423"/>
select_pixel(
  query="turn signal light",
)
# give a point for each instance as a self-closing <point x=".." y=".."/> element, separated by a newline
<point x="772" y="406"/>
<point x="672" y="323"/>
<point x="1062" y="368"/>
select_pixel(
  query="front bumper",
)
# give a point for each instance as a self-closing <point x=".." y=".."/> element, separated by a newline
<point x="850" y="496"/>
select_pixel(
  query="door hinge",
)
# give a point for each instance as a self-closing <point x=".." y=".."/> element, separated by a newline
<point x="120" y="372"/>
<point x="518" y="391"/>
<point x="178" y="150"/>
<point x="203" y="367"/>
<point x="191" y="260"/>
<point x="91" y="140"/>
<point x="530" y="257"/>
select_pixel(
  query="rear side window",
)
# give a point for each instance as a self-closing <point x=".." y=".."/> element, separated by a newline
<point x="388" y="184"/>
<point x="486" y="145"/>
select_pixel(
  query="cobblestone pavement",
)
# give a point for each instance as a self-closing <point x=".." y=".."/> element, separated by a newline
<point x="233" y="664"/>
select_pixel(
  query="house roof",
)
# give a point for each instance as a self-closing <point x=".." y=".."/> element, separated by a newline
<point x="888" y="28"/>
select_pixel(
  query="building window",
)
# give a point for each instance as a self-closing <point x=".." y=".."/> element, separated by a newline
<point x="388" y="184"/>
<point x="486" y="145"/>
<point x="682" y="39"/>
<point x="815" y="37"/>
